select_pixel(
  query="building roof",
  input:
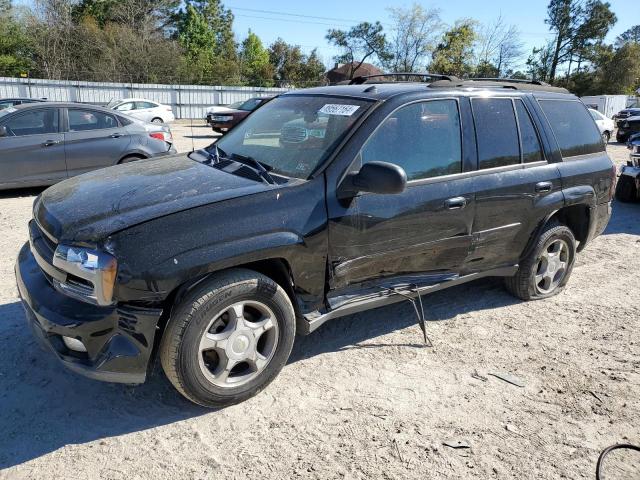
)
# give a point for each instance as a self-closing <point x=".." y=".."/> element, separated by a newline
<point x="342" y="72"/>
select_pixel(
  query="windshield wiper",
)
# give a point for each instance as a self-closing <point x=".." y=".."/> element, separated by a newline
<point x="257" y="166"/>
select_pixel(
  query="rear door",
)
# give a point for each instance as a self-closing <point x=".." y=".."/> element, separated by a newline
<point x="94" y="139"/>
<point x="32" y="153"/>
<point x="515" y="185"/>
<point x="424" y="230"/>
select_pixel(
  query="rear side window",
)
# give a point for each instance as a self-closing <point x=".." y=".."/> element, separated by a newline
<point x="143" y="105"/>
<point x="573" y="127"/>
<point x="83" y="120"/>
<point x="422" y="138"/>
<point x="531" y="149"/>
<point x="496" y="132"/>
<point x="35" y="122"/>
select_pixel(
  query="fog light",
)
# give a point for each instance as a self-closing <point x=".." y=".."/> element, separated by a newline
<point x="74" y="344"/>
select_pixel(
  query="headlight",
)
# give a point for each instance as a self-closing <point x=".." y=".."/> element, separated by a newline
<point x="222" y="118"/>
<point x="91" y="274"/>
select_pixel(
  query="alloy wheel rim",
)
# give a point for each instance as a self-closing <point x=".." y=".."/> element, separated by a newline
<point x="552" y="266"/>
<point x="238" y="344"/>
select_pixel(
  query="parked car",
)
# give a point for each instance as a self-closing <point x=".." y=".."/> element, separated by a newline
<point x="605" y="125"/>
<point x="225" y="121"/>
<point x="143" y="109"/>
<point x="217" y="109"/>
<point x="628" y="185"/>
<point x="626" y="113"/>
<point x="43" y="143"/>
<point x="12" y="102"/>
<point x="627" y="127"/>
<point x="216" y="259"/>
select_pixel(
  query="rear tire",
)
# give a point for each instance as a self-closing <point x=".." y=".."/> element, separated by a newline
<point x="546" y="270"/>
<point x="228" y="338"/>
<point x="626" y="190"/>
<point x="130" y="158"/>
<point x="606" y="136"/>
<point x="157" y="120"/>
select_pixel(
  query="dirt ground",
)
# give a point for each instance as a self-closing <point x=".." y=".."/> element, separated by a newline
<point x="361" y="398"/>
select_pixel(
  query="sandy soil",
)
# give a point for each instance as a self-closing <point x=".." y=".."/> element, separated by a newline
<point x="361" y="398"/>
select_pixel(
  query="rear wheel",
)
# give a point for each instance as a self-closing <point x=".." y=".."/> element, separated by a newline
<point x="131" y="158"/>
<point x="547" y="269"/>
<point x="626" y="190"/>
<point x="228" y="339"/>
<point x="606" y="136"/>
<point x="157" y="120"/>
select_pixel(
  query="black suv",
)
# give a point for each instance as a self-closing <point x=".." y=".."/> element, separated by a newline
<point x="322" y="203"/>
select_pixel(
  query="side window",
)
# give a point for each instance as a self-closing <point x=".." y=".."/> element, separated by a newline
<point x="496" y="132"/>
<point x="83" y="120"/>
<point x="531" y="149"/>
<point x="142" y="105"/>
<point x="125" y="107"/>
<point x="576" y="133"/>
<point x="423" y="138"/>
<point x="35" y="122"/>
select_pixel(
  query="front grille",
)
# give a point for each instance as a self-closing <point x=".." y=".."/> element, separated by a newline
<point x="293" y="134"/>
<point x="41" y="242"/>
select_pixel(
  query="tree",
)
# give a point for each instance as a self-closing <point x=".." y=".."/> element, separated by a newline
<point x="415" y="33"/>
<point x="292" y="67"/>
<point x="539" y="62"/>
<point x="630" y="36"/>
<point x="454" y="54"/>
<point x="596" y="22"/>
<point x="621" y="74"/>
<point x="255" y="66"/>
<point x="365" y="40"/>
<point x="499" y="49"/>
<point x="15" y="45"/>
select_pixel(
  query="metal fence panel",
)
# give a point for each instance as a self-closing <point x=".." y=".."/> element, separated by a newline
<point x="187" y="101"/>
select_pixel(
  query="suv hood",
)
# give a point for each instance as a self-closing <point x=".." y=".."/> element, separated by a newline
<point x="88" y="208"/>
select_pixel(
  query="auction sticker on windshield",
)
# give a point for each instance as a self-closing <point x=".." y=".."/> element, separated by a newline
<point x="337" y="109"/>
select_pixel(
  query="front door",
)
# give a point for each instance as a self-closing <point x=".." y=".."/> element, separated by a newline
<point x="424" y="230"/>
<point x="94" y="139"/>
<point x="32" y="152"/>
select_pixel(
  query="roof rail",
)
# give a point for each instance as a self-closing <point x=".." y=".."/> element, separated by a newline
<point x="364" y="78"/>
<point x="510" y="80"/>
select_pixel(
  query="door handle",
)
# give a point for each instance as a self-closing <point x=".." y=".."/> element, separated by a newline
<point x="117" y="135"/>
<point x="542" y="187"/>
<point x="455" y="203"/>
<point x="50" y="143"/>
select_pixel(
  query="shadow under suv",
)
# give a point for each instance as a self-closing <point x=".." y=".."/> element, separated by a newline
<point x="322" y="203"/>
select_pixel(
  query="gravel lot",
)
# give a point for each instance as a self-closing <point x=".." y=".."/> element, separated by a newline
<point x="361" y="398"/>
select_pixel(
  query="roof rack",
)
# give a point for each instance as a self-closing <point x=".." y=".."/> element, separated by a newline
<point x="510" y="80"/>
<point x="506" y="83"/>
<point x="364" y="78"/>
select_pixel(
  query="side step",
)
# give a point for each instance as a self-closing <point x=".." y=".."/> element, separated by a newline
<point x="386" y="297"/>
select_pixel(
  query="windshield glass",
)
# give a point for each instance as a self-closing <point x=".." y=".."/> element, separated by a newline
<point x="293" y="134"/>
<point x="250" y="104"/>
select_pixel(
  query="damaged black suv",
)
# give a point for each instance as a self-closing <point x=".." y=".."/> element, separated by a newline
<point x="322" y="203"/>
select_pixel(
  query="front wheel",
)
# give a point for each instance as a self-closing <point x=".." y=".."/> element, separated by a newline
<point x="546" y="270"/>
<point x="228" y="338"/>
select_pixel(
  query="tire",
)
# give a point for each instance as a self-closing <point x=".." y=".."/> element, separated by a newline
<point x="130" y="158"/>
<point x="209" y="309"/>
<point x="606" y="136"/>
<point x="157" y="120"/>
<point x="524" y="284"/>
<point x="626" y="190"/>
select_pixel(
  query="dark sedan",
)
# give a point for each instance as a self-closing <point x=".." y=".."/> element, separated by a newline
<point x="225" y="121"/>
<point x="43" y="143"/>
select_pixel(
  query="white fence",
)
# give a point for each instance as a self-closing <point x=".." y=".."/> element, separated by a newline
<point x="187" y="101"/>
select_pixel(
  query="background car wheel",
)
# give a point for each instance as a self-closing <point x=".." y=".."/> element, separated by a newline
<point x="131" y="158"/>
<point x="626" y="190"/>
<point x="228" y="338"/>
<point x="606" y="136"/>
<point x="547" y="269"/>
<point x="157" y="120"/>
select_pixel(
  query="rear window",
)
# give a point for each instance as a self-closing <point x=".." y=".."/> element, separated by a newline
<point x="573" y="127"/>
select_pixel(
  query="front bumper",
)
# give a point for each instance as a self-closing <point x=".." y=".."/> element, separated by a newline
<point x="119" y="339"/>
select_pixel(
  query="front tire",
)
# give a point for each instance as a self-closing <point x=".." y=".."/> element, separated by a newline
<point x="546" y="270"/>
<point x="228" y="338"/>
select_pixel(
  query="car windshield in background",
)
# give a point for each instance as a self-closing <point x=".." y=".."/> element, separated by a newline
<point x="294" y="134"/>
<point x="250" y="105"/>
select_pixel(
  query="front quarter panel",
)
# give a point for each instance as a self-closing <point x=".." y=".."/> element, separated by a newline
<point x="288" y="223"/>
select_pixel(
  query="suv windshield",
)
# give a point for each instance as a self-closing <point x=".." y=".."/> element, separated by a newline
<point x="293" y="134"/>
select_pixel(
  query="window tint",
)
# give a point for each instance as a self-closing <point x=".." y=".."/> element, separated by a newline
<point x="576" y="133"/>
<point x="83" y="120"/>
<point x="423" y="138"/>
<point x="496" y="132"/>
<point x="35" y="122"/>
<point x="141" y="105"/>
<point x="125" y="107"/>
<point x="531" y="149"/>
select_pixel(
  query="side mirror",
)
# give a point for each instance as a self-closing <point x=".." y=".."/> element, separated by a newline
<point x="3" y="131"/>
<point x="374" y="177"/>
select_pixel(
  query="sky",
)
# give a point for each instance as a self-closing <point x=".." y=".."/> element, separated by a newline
<point x="303" y="26"/>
